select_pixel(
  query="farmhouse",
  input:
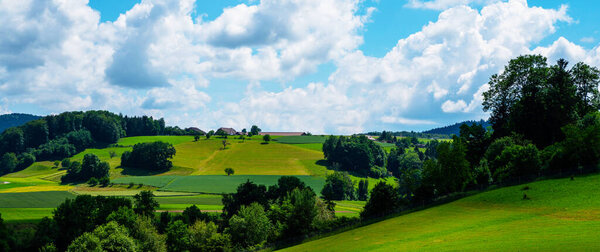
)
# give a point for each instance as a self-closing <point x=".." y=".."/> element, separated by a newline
<point x="282" y="133"/>
<point x="229" y="131"/>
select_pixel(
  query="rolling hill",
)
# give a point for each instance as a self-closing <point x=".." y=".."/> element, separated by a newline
<point x="15" y="119"/>
<point x="454" y="129"/>
<point x="558" y="215"/>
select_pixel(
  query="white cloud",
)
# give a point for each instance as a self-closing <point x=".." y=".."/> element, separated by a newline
<point x="441" y="4"/>
<point x="4" y="110"/>
<point x="562" y="48"/>
<point x="454" y="106"/>
<point x="158" y="59"/>
<point x="407" y="121"/>
<point x="587" y="40"/>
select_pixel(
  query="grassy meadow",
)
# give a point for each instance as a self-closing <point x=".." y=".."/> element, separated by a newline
<point x="560" y="215"/>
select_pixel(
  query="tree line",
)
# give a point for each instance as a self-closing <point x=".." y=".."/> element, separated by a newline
<point x="55" y="137"/>
<point x="545" y="123"/>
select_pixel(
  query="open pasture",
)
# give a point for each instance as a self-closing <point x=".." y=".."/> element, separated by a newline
<point x="560" y="215"/>
<point x="301" y="139"/>
<point x="256" y="158"/>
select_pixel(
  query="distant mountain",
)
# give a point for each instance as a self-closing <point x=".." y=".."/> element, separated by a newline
<point x="15" y="119"/>
<point x="454" y="129"/>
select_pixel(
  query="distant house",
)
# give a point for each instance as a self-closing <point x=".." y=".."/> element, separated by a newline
<point x="198" y="131"/>
<point x="229" y="131"/>
<point x="282" y="133"/>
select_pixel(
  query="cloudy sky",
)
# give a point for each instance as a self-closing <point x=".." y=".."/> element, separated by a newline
<point x="324" y="66"/>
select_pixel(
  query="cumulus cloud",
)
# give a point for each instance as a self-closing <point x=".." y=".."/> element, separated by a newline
<point x="441" y="4"/>
<point x="159" y="59"/>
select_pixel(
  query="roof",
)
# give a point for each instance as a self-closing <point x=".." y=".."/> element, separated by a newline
<point x="282" y="133"/>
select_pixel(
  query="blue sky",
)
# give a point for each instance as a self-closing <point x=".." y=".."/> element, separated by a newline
<point x="325" y="66"/>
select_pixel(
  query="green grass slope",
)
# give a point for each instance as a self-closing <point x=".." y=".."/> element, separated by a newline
<point x="560" y="215"/>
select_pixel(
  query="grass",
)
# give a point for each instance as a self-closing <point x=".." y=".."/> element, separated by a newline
<point x="174" y="140"/>
<point x="561" y="215"/>
<point x="48" y="199"/>
<point x="349" y="208"/>
<point x="311" y="146"/>
<point x="156" y="181"/>
<point x="255" y="158"/>
<point x="301" y="139"/>
<point x="25" y="215"/>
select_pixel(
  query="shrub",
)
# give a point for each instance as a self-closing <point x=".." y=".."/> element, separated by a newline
<point x="104" y="181"/>
<point x="25" y="160"/>
<point x="377" y="172"/>
<point x="65" y="163"/>
<point x="92" y="181"/>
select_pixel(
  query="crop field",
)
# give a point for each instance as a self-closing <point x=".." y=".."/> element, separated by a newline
<point x="30" y="206"/>
<point x="560" y="215"/>
<point x="34" y="199"/>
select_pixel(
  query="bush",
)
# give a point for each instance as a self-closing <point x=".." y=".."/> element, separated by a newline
<point x="378" y="172"/>
<point x="104" y="181"/>
<point x="25" y="160"/>
<point x="65" y="163"/>
<point x="8" y="163"/>
<point x="519" y="162"/>
<point x="92" y="181"/>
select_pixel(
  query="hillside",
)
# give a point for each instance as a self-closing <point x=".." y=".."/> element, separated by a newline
<point x="560" y="215"/>
<point x="198" y="171"/>
<point x="15" y="119"/>
<point x="454" y="129"/>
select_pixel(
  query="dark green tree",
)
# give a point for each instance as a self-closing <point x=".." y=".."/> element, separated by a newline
<point x="145" y="204"/>
<point x="338" y="186"/>
<point x="384" y="200"/>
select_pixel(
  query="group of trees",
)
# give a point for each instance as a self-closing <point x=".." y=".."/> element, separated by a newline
<point x="63" y="135"/>
<point x="256" y="214"/>
<point x="545" y="122"/>
<point x="356" y="154"/>
<point x="90" y="168"/>
<point x="152" y="156"/>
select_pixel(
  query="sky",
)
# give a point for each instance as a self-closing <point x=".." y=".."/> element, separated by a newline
<point x="322" y="66"/>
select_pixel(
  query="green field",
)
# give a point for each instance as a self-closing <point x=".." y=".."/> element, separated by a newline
<point x="561" y="215"/>
<point x="34" y="199"/>
<point x="215" y="184"/>
<point x="301" y="139"/>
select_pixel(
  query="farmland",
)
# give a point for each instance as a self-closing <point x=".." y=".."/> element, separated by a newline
<point x="557" y="216"/>
<point x="196" y="178"/>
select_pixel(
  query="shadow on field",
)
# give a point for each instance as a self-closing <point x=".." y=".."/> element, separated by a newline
<point x="322" y="162"/>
